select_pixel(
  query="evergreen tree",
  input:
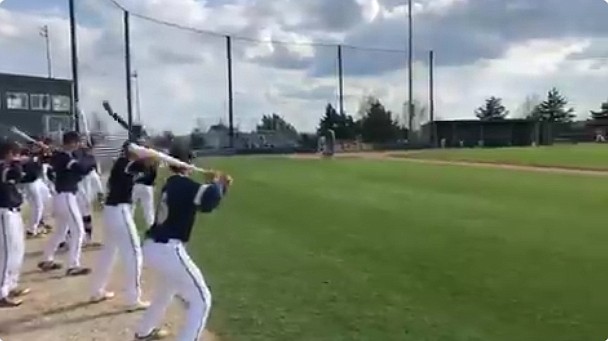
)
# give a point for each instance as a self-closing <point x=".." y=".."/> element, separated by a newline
<point x="553" y="109"/>
<point x="378" y="125"/>
<point x="344" y="126"/>
<point x="492" y="110"/>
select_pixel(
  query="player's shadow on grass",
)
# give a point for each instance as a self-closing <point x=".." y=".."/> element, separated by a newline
<point x="44" y="320"/>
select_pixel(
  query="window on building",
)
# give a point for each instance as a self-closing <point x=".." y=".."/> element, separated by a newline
<point x="40" y="102"/>
<point x="61" y="103"/>
<point x="17" y="101"/>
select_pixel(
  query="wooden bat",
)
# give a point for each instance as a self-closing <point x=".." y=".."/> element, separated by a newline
<point x="153" y="153"/>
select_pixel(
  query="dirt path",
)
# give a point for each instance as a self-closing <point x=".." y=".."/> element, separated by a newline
<point x="57" y="309"/>
<point x="392" y="156"/>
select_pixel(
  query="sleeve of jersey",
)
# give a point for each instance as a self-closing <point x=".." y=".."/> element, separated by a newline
<point x="135" y="167"/>
<point x="12" y="174"/>
<point x="79" y="167"/>
<point x="208" y="197"/>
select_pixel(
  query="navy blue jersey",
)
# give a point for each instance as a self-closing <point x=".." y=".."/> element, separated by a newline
<point x="10" y="175"/>
<point x="87" y="158"/>
<point x="181" y="198"/>
<point x="69" y="171"/>
<point x="148" y="177"/>
<point x="121" y="181"/>
<point x="32" y="170"/>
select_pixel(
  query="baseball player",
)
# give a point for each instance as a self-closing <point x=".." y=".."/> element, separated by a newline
<point x="121" y="233"/>
<point x="69" y="171"/>
<point x="165" y="251"/>
<point x="89" y="188"/>
<point x="12" y="243"/>
<point x="36" y="191"/>
<point x="143" y="192"/>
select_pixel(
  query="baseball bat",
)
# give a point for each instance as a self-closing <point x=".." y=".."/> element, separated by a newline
<point x="25" y="136"/>
<point x="149" y="152"/>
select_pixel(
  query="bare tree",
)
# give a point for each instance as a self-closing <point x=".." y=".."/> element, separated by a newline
<point x="421" y="115"/>
<point x="526" y="108"/>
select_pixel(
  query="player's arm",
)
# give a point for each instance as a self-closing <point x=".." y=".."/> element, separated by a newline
<point x="79" y="166"/>
<point x="210" y="194"/>
<point x="12" y="173"/>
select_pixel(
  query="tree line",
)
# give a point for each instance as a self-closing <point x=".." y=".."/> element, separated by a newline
<point x="553" y="109"/>
<point x="376" y="124"/>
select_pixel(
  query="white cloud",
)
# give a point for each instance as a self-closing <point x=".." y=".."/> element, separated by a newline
<point x="183" y="74"/>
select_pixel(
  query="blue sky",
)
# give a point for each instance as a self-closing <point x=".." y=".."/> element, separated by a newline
<point x="508" y="48"/>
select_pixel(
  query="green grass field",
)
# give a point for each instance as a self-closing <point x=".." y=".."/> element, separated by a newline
<point x="331" y="250"/>
<point x="583" y="156"/>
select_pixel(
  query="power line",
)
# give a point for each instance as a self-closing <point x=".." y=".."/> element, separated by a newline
<point x="251" y="39"/>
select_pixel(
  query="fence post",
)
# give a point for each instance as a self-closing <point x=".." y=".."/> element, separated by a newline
<point x="74" y="50"/>
<point x="340" y="81"/>
<point x="127" y="32"/>
<point x="230" y="91"/>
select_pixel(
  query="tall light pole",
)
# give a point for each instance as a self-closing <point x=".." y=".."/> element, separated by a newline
<point x="409" y="69"/>
<point x="44" y="32"/>
<point x="135" y="76"/>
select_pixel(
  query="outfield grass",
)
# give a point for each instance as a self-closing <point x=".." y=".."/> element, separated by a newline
<point x="332" y="250"/>
<point x="583" y="156"/>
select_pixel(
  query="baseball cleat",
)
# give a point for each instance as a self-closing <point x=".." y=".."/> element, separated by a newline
<point x="20" y="292"/>
<point x="156" y="334"/>
<point x="10" y="303"/>
<point x="74" y="272"/>
<point x="141" y="305"/>
<point x="49" y="266"/>
<point x="107" y="295"/>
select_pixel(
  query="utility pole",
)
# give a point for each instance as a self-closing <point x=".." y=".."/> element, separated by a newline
<point x="137" y="96"/>
<point x="340" y="81"/>
<point x="74" y="48"/>
<point x="127" y="32"/>
<point x="44" y="32"/>
<point x="409" y="69"/>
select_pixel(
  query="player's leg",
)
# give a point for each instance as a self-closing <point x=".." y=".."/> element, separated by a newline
<point x="76" y="239"/>
<point x="194" y="290"/>
<point x="16" y="222"/>
<point x="147" y="204"/>
<point x="58" y="236"/>
<point x="157" y="257"/>
<point x="105" y="262"/>
<point x="131" y="255"/>
<point x="84" y="207"/>
<point x="36" y="200"/>
<point x="7" y="261"/>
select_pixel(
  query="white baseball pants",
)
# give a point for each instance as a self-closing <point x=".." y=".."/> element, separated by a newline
<point x="37" y="194"/>
<point x="12" y="250"/>
<point x="120" y="234"/>
<point x="177" y="275"/>
<point x="67" y="218"/>
<point x="144" y="195"/>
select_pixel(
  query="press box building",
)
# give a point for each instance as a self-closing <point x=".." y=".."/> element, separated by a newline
<point x="36" y="105"/>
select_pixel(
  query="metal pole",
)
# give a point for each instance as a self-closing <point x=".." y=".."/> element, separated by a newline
<point x="137" y="97"/>
<point x="432" y="96"/>
<point x="127" y="32"/>
<point x="410" y="67"/>
<point x="74" y="48"/>
<point x="230" y="91"/>
<point x="340" y="80"/>
<point x="44" y="32"/>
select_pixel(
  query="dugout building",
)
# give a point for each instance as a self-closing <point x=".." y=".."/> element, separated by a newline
<point x="497" y="133"/>
<point x="36" y="105"/>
